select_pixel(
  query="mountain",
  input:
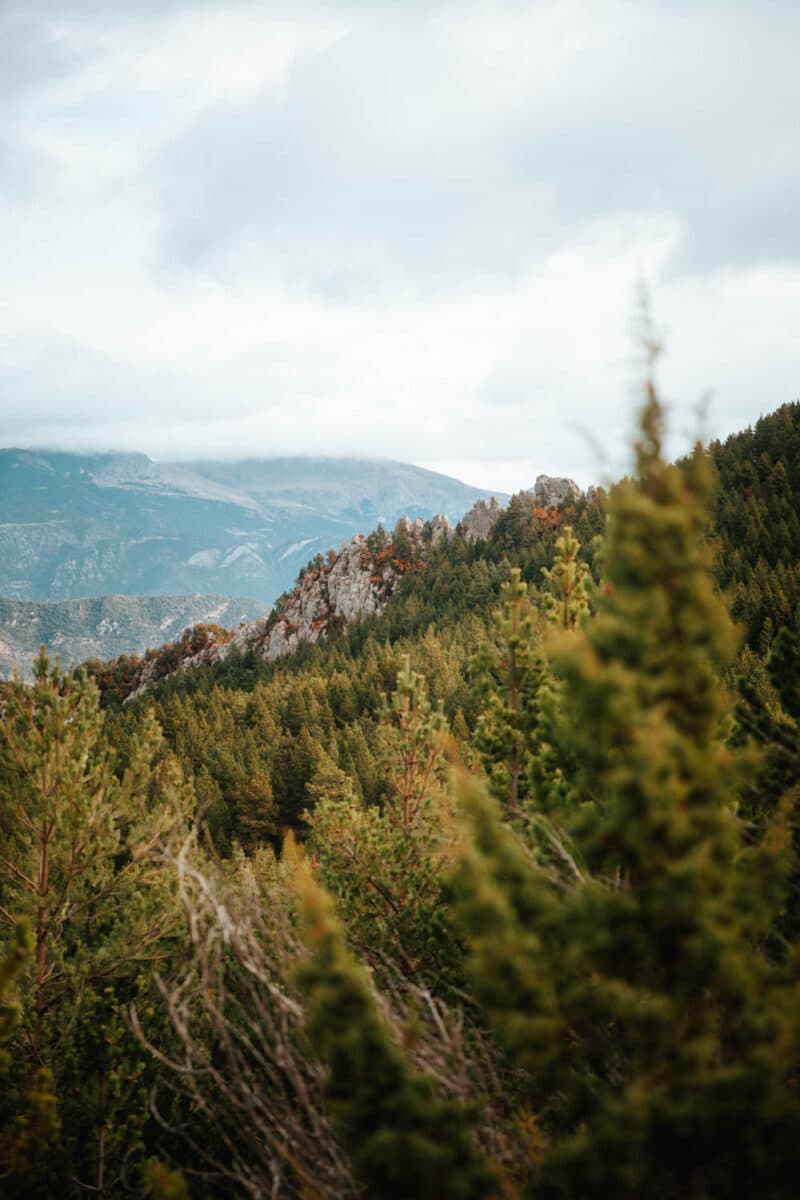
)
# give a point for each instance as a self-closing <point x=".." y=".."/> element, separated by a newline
<point x="106" y="626"/>
<point x="75" y="525"/>
<point x="350" y="585"/>
<point x="353" y="584"/>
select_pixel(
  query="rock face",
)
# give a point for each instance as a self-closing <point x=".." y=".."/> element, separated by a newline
<point x="354" y="583"/>
<point x="480" y="520"/>
<point x="550" y="491"/>
<point x="348" y="585"/>
<point x="441" y="530"/>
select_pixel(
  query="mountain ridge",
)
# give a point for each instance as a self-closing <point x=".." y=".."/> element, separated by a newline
<point x="106" y="626"/>
<point x="76" y="525"/>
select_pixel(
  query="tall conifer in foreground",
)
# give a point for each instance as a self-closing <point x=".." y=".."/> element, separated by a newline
<point x="661" y="1046"/>
<point x="403" y="1140"/>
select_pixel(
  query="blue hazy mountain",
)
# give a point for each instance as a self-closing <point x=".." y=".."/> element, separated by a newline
<point x="107" y="626"/>
<point x="83" y="525"/>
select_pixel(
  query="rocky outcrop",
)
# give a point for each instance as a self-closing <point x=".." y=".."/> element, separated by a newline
<point x="551" y="491"/>
<point x="354" y="583"/>
<point x="480" y="520"/>
<point x="348" y="585"/>
<point x="441" y="530"/>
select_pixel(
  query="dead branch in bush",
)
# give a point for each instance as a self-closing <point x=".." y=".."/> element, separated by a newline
<point x="242" y="1063"/>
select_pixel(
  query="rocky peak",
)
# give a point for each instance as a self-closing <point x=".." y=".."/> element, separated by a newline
<point x="350" y="584"/>
<point x="441" y="529"/>
<point x="480" y="520"/>
<point x="550" y="491"/>
<point x="347" y="585"/>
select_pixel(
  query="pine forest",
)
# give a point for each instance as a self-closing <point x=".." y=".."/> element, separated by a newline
<point x="494" y="893"/>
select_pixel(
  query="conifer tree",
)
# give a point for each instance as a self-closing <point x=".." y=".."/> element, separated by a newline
<point x="412" y="753"/>
<point x="506" y="677"/>
<point x="636" y="986"/>
<point x="384" y="864"/>
<point x="770" y="716"/>
<point x="404" y="1140"/>
<point x="78" y="861"/>
<point x="76" y="836"/>
<point x="568" y="578"/>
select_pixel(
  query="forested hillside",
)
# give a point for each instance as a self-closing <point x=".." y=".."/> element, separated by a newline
<point x="492" y="893"/>
<point x="757" y="517"/>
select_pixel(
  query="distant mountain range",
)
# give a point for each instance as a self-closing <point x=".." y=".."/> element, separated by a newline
<point x="107" y="626"/>
<point x="74" y="525"/>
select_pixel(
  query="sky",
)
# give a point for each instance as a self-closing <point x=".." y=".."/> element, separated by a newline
<point x="413" y="230"/>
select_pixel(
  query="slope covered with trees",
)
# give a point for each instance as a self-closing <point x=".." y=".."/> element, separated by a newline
<point x="493" y="894"/>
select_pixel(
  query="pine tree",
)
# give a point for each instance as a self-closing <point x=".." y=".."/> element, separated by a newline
<point x="78" y="860"/>
<point x="568" y="578"/>
<point x="403" y="1140"/>
<point x="507" y="676"/>
<point x="412" y="756"/>
<point x="384" y="864"/>
<point x="769" y="714"/>
<point x="659" y="1040"/>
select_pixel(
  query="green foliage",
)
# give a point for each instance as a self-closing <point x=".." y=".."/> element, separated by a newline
<point x="402" y="1138"/>
<point x="508" y="674"/>
<point x="768" y="712"/>
<point x="615" y="985"/>
<point x="164" y="1183"/>
<point x="757" y="520"/>
<point x="11" y="965"/>
<point x="79" y="846"/>
<point x="568" y="578"/>
<point x="384" y="865"/>
<point x="658" y="1038"/>
<point x="412" y="756"/>
<point x="30" y="1152"/>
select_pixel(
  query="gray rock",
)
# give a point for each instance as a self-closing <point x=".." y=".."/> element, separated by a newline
<point x="551" y="491"/>
<point x="441" y="529"/>
<point x="479" y="522"/>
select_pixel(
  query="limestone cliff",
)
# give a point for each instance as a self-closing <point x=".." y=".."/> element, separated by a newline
<point x="550" y="491"/>
<point x="480" y="520"/>
<point x="350" y="584"/>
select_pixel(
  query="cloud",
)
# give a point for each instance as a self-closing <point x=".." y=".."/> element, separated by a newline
<point x="433" y="150"/>
<point x="412" y="230"/>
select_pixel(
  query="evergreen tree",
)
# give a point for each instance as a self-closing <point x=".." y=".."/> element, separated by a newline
<point x="507" y="676"/>
<point x="769" y="714"/>
<point x="660" y="1042"/>
<point x="384" y="864"/>
<point x="412" y="749"/>
<point x="78" y="860"/>
<point x="568" y="578"/>
<point x="402" y="1138"/>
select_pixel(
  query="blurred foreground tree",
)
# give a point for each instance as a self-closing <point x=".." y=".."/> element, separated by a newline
<point x="661" y="1044"/>
<point x="404" y="1140"/>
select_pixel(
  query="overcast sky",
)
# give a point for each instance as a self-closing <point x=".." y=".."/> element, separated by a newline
<point x="398" y="228"/>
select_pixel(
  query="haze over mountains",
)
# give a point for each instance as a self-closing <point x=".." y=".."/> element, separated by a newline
<point x="109" y="554"/>
<point x="74" y="525"/>
<point x="107" y="626"/>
